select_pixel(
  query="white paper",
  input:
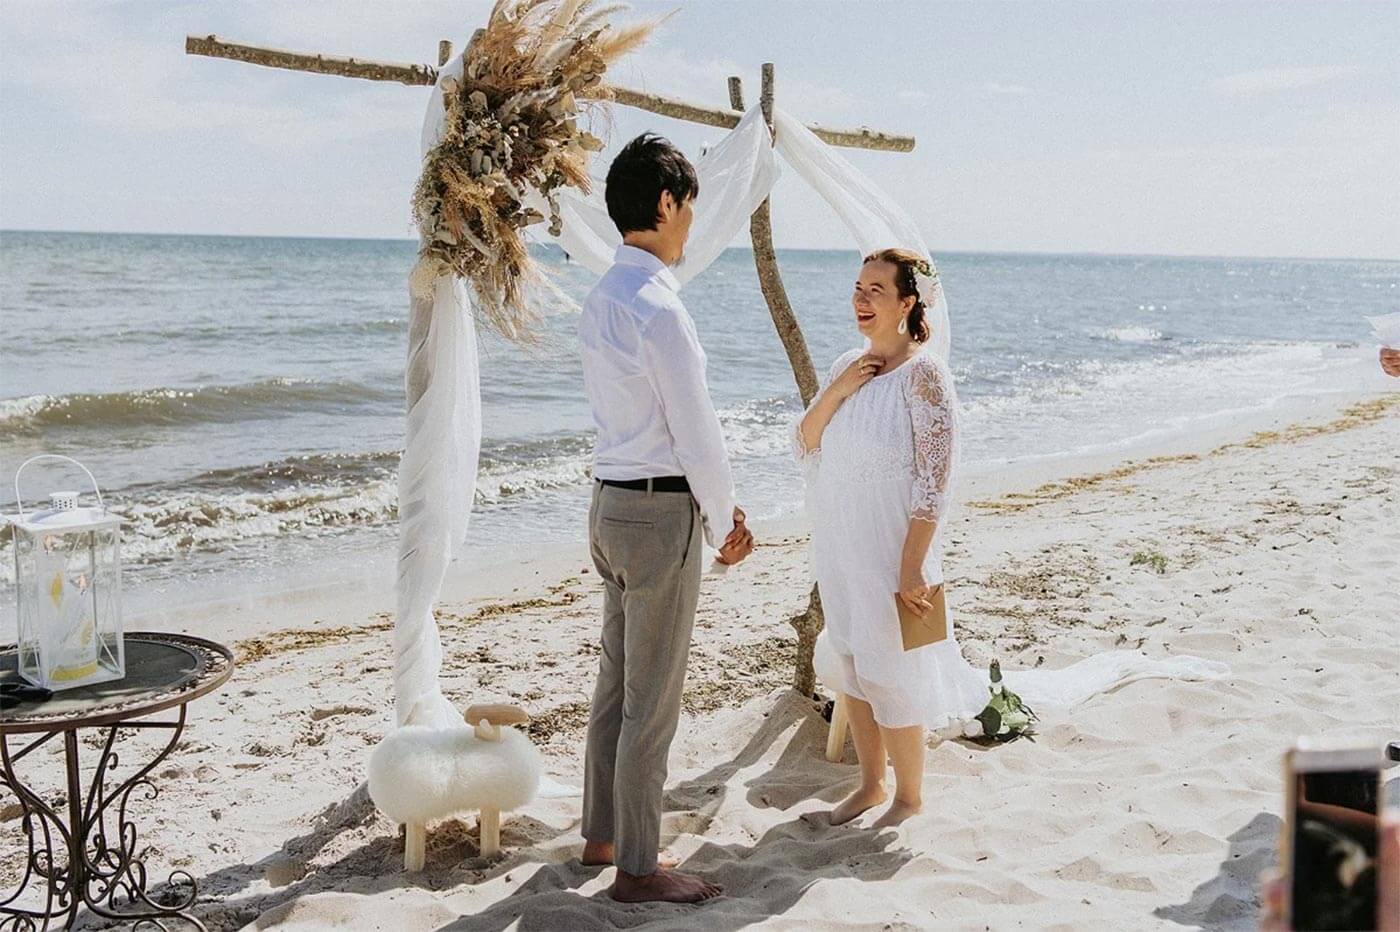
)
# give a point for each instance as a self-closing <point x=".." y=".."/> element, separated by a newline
<point x="1386" y="329"/>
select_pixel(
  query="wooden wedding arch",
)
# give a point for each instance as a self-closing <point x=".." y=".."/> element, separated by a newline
<point x="809" y="623"/>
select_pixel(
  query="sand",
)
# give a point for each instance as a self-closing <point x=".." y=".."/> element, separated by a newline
<point x="1154" y="806"/>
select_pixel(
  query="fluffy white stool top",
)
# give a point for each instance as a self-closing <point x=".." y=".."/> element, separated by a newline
<point x="417" y="773"/>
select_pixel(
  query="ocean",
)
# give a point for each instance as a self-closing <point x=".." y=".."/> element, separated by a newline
<point x="240" y="399"/>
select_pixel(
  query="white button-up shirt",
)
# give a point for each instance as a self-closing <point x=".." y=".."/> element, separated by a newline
<point x="644" y="373"/>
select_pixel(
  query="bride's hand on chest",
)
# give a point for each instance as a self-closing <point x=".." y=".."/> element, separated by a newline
<point x="861" y="370"/>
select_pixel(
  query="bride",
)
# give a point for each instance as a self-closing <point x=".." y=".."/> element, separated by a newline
<point x="878" y="444"/>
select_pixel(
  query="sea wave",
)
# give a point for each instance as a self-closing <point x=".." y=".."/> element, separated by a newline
<point x="1131" y="335"/>
<point x="318" y="494"/>
<point x="270" y="328"/>
<point x="210" y="403"/>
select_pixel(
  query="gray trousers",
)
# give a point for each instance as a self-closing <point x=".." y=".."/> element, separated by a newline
<point x="647" y="548"/>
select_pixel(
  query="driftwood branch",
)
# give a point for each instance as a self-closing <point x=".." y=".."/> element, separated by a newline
<point x="214" y="47"/>
<point x="809" y="624"/>
<point x="317" y="64"/>
<point x="766" y="262"/>
<point x="861" y="138"/>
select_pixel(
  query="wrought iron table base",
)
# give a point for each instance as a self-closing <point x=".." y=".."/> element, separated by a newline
<point x="99" y="870"/>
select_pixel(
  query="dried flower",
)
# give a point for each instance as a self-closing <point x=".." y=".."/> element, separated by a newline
<point x="511" y="128"/>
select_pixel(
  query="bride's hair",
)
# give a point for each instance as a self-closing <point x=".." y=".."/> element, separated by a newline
<point x="907" y="264"/>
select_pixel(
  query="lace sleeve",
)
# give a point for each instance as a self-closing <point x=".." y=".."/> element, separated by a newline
<point x="933" y="416"/>
<point x="809" y="459"/>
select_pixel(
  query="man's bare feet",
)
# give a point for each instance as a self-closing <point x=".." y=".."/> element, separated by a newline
<point x="862" y="799"/>
<point x="897" y="813"/>
<point x="663" y="886"/>
<point x="600" y="854"/>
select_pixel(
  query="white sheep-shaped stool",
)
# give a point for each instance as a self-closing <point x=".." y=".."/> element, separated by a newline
<point x="418" y="774"/>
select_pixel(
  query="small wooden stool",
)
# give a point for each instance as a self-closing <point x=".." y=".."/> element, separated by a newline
<point x="420" y="774"/>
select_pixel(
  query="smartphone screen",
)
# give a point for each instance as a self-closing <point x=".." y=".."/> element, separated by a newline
<point x="1335" y="835"/>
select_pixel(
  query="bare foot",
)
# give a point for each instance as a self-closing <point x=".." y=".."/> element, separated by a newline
<point x="663" y="886"/>
<point x="862" y="799"/>
<point x="600" y="854"/>
<point x="897" y="813"/>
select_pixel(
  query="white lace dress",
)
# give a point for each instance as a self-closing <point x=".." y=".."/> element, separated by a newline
<point x="887" y="457"/>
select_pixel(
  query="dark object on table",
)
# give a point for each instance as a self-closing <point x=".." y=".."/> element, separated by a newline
<point x="13" y="694"/>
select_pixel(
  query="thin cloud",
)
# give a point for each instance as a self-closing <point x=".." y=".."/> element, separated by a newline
<point x="1270" y="80"/>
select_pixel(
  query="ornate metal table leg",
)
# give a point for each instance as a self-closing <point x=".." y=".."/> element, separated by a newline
<point x="114" y="870"/>
<point x="43" y="830"/>
<point x="104" y="871"/>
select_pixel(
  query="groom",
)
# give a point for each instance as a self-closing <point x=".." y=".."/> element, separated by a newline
<point x="662" y="479"/>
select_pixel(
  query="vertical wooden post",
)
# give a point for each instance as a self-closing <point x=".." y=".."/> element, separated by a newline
<point x="444" y="51"/>
<point x="415" y="844"/>
<point x="766" y="262"/>
<point x="809" y="624"/>
<point x="488" y="825"/>
<point x="836" y="734"/>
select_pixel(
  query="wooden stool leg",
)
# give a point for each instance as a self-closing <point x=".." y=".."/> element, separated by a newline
<point x="836" y="735"/>
<point x="415" y="845"/>
<point x="490" y="825"/>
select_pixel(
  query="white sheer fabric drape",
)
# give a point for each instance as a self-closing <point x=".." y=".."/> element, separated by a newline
<point x="437" y="474"/>
<point x="735" y="176"/>
<point x="873" y="218"/>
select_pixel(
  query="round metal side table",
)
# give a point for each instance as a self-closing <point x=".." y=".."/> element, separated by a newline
<point x="85" y="855"/>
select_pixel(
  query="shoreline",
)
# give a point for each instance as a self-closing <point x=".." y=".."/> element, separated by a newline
<point x="254" y="608"/>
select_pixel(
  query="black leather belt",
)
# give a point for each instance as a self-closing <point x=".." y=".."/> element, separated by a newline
<point x="658" y="484"/>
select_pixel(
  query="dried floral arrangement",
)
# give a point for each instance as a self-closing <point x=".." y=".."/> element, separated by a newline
<point x="511" y="128"/>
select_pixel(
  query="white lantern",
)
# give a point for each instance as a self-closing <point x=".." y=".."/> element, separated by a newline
<point x="68" y="589"/>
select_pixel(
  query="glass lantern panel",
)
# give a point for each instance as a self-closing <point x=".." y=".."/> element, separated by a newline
<point x="107" y="572"/>
<point x="72" y="591"/>
<point x="27" y="607"/>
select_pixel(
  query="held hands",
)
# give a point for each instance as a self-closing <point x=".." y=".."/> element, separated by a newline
<point x="913" y="591"/>
<point x="739" y="543"/>
<point x="865" y="368"/>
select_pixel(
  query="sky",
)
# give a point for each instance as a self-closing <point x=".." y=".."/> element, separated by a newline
<point x="1116" y="127"/>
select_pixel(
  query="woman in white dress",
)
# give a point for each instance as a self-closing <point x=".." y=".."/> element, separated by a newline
<point x="878" y="444"/>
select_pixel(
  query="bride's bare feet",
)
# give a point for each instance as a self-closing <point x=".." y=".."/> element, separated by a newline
<point x="663" y="886"/>
<point x="862" y="799"/>
<point x="897" y="813"/>
<point x="600" y="854"/>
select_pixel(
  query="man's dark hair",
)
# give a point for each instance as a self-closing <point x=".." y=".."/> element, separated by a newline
<point x="644" y="168"/>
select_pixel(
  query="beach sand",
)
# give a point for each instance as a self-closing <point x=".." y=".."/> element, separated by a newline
<point x="1155" y="806"/>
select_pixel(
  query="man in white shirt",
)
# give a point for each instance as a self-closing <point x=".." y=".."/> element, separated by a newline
<point x="661" y="483"/>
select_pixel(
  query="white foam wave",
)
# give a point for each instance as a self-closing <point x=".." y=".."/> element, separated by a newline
<point x="1132" y="335"/>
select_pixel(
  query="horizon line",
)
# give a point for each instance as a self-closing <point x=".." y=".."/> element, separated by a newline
<point x="985" y="252"/>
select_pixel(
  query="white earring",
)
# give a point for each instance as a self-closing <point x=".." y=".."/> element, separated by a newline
<point x="903" y="325"/>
